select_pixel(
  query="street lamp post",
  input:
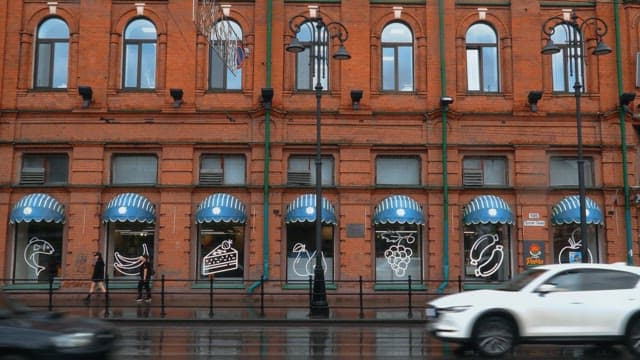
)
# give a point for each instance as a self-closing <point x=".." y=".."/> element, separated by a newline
<point x="573" y="28"/>
<point x="320" y="36"/>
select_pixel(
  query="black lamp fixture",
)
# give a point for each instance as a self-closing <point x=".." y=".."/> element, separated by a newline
<point x="356" y="96"/>
<point x="625" y="100"/>
<point x="533" y="98"/>
<point x="87" y="95"/>
<point x="176" y="94"/>
<point x="445" y="101"/>
<point x="266" y="97"/>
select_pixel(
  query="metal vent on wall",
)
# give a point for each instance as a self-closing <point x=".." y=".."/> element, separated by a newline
<point x="32" y="176"/>
<point x="472" y="177"/>
<point x="298" y="178"/>
<point x="211" y="177"/>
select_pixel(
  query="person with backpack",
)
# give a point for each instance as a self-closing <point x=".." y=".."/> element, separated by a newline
<point x="146" y="270"/>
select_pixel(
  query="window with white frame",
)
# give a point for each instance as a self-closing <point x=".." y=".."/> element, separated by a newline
<point x="41" y="169"/>
<point x="484" y="171"/>
<point x="222" y="169"/>
<point x="52" y="55"/>
<point x="309" y="72"/>
<point x="302" y="170"/>
<point x="482" y="58"/>
<point x="139" y="61"/>
<point x="226" y="74"/>
<point x="398" y="170"/>
<point x="397" y="57"/>
<point x="564" y="70"/>
<point x="134" y="169"/>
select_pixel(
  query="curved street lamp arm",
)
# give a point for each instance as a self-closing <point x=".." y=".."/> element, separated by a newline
<point x="338" y="31"/>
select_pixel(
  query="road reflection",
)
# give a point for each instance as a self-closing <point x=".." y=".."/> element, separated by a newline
<point x="298" y="341"/>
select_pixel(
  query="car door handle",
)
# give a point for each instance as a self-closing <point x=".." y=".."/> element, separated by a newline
<point x="576" y="303"/>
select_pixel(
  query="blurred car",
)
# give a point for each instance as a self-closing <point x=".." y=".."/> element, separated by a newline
<point x="29" y="334"/>
<point x="562" y="303"/>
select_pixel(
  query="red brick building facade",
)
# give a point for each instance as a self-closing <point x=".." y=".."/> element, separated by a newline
<point x="121" y="132"/>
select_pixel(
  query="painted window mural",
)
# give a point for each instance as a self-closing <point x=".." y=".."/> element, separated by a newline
<point x="487" y="226"/>
<point x="301" y="244"/>
<point x="130" y="220"/>
<point x="565" y="221"/>
<point x="398" y="221"/>
<point x="39" y="223"/>
<point x="221" y="220"/>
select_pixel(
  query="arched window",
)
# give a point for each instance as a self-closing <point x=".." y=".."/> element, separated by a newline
<point x="52" y="55"/>
<point x="226" y="56"/>
<point x="482" y="58"/>
<point x="397" y="57"/>
<point x="139" y="65"/>
<point x="564" y="69"/>
<point x="306" y="76"/>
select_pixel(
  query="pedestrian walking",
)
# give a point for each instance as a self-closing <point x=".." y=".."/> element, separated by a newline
<point x="97" y="277"/>
<point x="146" y="270"/>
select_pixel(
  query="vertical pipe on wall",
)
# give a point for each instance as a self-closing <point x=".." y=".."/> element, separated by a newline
<point x="445" y="185"/>
<point x="267" y="158"/>
<point x="623" y="137"/>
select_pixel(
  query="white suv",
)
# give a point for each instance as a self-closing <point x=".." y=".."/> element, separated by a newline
<point x="563" y="303"/>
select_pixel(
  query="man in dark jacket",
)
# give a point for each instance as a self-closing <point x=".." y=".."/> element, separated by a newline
<point x="145" y="278"/>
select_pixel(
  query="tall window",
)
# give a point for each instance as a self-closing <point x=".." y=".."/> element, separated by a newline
<point x="302" y="170"/>
<point x="396" y="170"/>
<point x="40" y="169"/>
<point x="38" y="251"/>
<point x="484" y="171"/>
<point x="52" y="55"/>
<point x="482" y="58"/>
<point x="487" y="251"/>
<point x="564" y="70"/>
<point x="397" y="57"/>
<point x="307" y="71"/>
<point x="226" y="56"/>
<point x="134" y="169"/>
<point x="126" y="242"/>
<point x="228" y="169"/>
<point x="139" y="65"/>
<point x="563" y="171"/>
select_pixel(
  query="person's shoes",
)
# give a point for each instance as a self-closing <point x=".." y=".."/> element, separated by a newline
<point x="147" y="300"/>
<point x="139" y="300"/>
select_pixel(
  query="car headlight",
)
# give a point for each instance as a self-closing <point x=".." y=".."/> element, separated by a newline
<point x="73" y="340"/>
<point x="455" y="309"/>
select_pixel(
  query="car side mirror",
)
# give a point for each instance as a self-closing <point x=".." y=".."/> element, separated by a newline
<point x="547" y="288"/>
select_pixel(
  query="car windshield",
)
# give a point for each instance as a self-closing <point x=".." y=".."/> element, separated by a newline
<point x="521" y="280"/>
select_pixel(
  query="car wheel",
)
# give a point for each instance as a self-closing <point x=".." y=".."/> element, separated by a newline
<point x="493" y="336"/>
<point x="633" y="336"/>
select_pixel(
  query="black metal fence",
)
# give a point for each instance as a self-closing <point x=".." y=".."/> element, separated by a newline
<point x="358" y="298"/>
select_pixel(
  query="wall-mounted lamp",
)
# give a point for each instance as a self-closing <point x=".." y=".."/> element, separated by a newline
<point x="397" y="12"/>
<point x="52" y="7"/>
<point x="625" y="100"/>
<point x="482" y="13"/>
<point x="226" y="10"/>
<point x="533" y="98"/>
<point x="87" y="95"/>
<point x="266" y="97"/>
<point x="139" y="8"/>
<point x="445" y="101"/>
<point x="176" y="94"/>
<point x="356" y="96"/>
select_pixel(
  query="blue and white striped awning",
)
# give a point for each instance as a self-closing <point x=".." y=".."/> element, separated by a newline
<point x="130" y="207"/>
<point x="398" y="209"/>
<point x="487" y="209"/>
<point x="303" y="209"/>
<point x="567" y="211"/>
<point x="221" y="208"/>
<point x="37" y="207"/>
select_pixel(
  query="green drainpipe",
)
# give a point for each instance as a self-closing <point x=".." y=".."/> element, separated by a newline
<point x="445" y="185"/>
<point x="623" y="138"/>
<point x="267" y="160"/>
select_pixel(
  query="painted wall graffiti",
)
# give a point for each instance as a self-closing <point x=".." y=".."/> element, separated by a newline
<point x="304" y="263"/>
<point x="222" y="258"/>
<point x="36" y="247"/>
<point x="129" y="265"/>
<point x="398" y="255"/>
<point x="486" y="255"/>
<point x="574" y="250"/>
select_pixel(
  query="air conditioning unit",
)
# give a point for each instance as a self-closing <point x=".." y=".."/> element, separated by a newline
<point x="32" y="176"/>
<point x="472" y="177"/>
<point x="211" y="177"/>
<point x="299" y="178"/>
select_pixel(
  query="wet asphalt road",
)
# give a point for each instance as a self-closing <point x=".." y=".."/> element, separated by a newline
<point x="305" y="341"/>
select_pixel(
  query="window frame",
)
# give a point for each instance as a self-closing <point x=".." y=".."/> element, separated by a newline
<point x="589" y="171"/>
<point x="418" y="170"/>
<point x="220" y="64"/>
<point x="327" y="162"/>
<point x="53" y="43"/>
<point x="114" y="171"/>
<point x="396" y="46"/>
<point x="139" y="44"/>
<point x="222" y="157"/>
<point x="45" y="159"/>
<point x="484" y="170"/>
<point x="566" y="54"/>
<point x="319" y="75"/>
<point x="481" y="57"/>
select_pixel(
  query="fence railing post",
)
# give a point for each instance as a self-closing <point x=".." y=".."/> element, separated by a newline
<point x="106" y="296"/>
<point x="211" y="296"/>
<point x="162" y="312"/>
<point x="310" y="291"/>
<point x="262" y="281"/>
<point x="410" y="298"/>
<point x="459" y="283"/>
<point x="50" y="291"/>
<point x="361" y="294"/>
